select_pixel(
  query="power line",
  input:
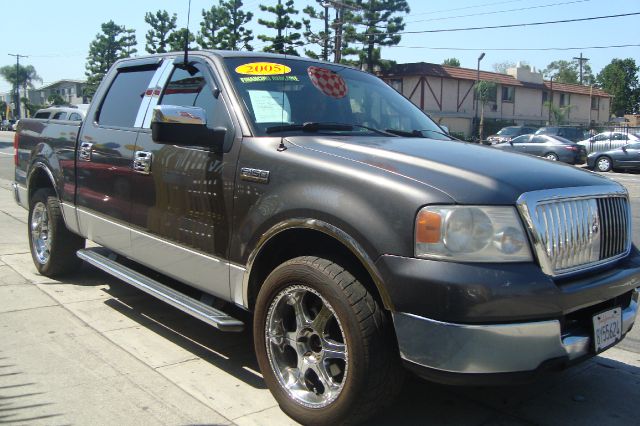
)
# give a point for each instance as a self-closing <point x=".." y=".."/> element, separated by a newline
<point x="513" y="48"/>
<point x="528" y="24"/>
<point x="499" y="11"/>
<point x="468" y="7"/>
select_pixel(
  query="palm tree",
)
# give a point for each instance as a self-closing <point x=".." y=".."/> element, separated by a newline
<point x="27" y="75"/>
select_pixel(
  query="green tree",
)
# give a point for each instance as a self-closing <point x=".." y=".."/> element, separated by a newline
<point x="113" y="43"/>
<point x="452" y="62"/>
<point x="568" y="72"/>
<point x="485" y="92"/>
<point x="26" y="76"/>
<point x="235" y="35"/>
<point x="380" y="23"/>
<point x="211" y="26"/>
<point x="620" y="80"/>
<point x="321" y="38"/>
<point x="558" y="114"/>
<point x="56" y="99"/>
<point x="287" y="35"/>
<point x="162" y="25"/>
<point x="176" y="40"/>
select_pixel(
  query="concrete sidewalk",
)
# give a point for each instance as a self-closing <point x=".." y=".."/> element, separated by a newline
<point x="93" y="350"/>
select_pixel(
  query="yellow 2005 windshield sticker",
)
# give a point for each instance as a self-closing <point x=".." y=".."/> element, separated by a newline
<point x="262" y="68"/>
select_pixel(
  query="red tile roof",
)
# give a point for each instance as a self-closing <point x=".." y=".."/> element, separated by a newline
<point x="444" y="71"/>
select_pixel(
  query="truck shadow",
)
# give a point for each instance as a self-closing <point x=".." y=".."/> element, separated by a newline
<point x="598" y="391"/>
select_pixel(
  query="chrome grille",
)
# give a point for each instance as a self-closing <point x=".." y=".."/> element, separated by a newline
<point x="572" y="232"/>
<point x="614" y="224"/>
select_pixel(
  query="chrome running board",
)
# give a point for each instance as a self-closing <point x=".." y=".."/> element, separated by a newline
<point x="98" y="257"/>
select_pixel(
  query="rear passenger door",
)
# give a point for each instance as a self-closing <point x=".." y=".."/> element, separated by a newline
<point x="105" y="153"/>
<point x="182" y="203"/>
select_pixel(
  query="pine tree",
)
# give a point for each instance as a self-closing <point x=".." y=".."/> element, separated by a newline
<point x="210" y="35"/>
<point x="113" y="43"/>
<point x="380" y="26"/>
<point x="176" y="40"/>
<point x="162" y="25"/>
<point x="287" y="36"/>
<point x="321" y="38"/>
<point x="234" y="35"/>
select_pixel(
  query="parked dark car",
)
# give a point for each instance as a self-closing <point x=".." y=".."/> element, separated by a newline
<point x="552" y="148"/>
<point x="574" y="134"/>
<point x="509" y="133"/>
<point x="626" y="157"/>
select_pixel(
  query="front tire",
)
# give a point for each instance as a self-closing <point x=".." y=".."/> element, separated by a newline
<point x="53" y="246"/>
<point x="604" y="164"/>
<point x="325" y="348"/>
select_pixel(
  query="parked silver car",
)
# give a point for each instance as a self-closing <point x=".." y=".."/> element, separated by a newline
<point x="608" y="140"/>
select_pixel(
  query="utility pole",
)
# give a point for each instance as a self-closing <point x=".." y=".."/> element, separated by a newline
<point x="339" y="7"/>
<point x="325" y="44"/>
<point x="580" y="60"/>
<point x="17" y="94"/>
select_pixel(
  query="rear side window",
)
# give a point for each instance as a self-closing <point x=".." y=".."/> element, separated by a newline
<point x="41" y="115"/>
<point x="121" y="104"/>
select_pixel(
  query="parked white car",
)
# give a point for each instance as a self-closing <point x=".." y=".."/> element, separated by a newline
<point x="608" y="140"/>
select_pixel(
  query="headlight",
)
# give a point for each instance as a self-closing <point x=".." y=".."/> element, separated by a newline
<point x="471" y="233"/>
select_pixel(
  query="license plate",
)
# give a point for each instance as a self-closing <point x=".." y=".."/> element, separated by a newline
<point x="607" y="328"/>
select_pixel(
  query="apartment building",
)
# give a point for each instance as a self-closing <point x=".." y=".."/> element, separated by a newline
<point x="447" y="95"/>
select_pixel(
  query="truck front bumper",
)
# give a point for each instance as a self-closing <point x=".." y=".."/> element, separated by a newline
<point x="473" y="323"/>
<point x="495" y="348"/>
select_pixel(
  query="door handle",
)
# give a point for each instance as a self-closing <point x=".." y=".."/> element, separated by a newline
<point x="142" y="162"/>
<point x="84" y="153"/>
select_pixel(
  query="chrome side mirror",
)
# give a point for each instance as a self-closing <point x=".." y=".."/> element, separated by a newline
<point x="185" y="126"/>
<point x="179" y="115"/>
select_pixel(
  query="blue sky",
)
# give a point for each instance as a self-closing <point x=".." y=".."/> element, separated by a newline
<point x="56" y="35"/>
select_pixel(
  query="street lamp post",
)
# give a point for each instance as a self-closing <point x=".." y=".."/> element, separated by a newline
<point x="475" y="118"/>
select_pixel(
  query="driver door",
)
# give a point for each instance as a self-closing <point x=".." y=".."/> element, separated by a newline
<point x="181" y="209"/>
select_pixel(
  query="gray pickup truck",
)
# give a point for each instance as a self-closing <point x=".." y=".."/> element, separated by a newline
<point x="363" y="239"/>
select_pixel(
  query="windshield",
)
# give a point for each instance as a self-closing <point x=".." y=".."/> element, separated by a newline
<point x="284" y="95"/>
<point x="508" y="131"/>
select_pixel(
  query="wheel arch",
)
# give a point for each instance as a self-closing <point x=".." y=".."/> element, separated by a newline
<point x="304" y="237"/>
<point x="40" y="177"/>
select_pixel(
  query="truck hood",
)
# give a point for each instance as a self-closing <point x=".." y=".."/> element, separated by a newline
<point x="468" y="173"/>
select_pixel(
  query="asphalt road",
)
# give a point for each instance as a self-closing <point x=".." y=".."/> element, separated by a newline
<point x="135" y="360"/>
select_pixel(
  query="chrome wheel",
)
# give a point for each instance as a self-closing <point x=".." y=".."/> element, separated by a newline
<point x="603" y="164"/>
<point x="40" y="234"/>
<point x="306" y="346"/>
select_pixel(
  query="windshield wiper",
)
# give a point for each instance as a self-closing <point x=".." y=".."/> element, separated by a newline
<point x="315" y="126"/>
<point x="417" y="133"/>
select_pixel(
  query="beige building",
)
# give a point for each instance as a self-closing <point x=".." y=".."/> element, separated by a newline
<point x="72" y="91"/>
<point x="446" y="94"/>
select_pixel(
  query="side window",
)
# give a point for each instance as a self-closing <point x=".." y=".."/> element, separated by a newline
<point x="185" y="89"/>
<point x="521" y="139"/>
<point x="75" y="117"/>
<point x="121" y="104"/>
<point x="60" y="115"/>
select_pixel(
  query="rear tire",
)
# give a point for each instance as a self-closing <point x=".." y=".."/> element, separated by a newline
<point x="604" y="164"/>
<point x="53" y="246"/>
<point x="326" y="350"/>
<point x="552" y="156"/>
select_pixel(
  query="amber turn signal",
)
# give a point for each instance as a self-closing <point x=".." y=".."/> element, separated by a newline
<point x="428" y="225"/>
